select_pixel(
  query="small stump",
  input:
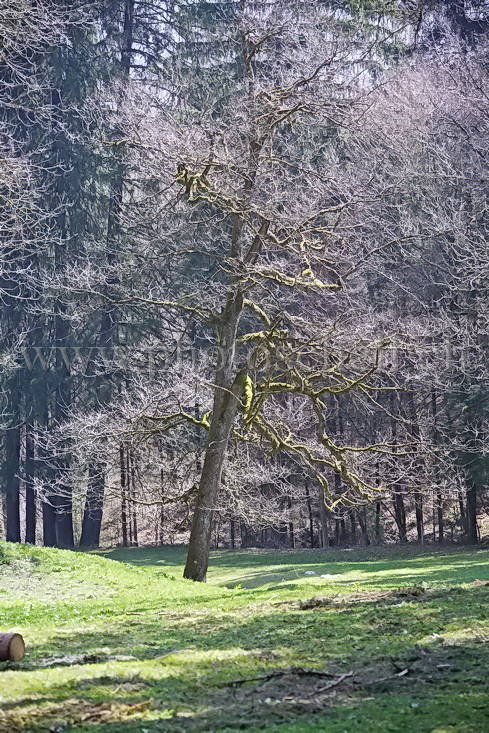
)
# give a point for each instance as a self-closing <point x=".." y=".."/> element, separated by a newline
<point x="12" y="647"/>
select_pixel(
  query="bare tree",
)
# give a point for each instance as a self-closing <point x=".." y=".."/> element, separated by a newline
<point x="260" y="202"/>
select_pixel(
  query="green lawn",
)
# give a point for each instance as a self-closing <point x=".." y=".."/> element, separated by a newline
<point x="117" y="642"/>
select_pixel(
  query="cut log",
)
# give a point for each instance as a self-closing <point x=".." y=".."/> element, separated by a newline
<point x="12" y="647"/>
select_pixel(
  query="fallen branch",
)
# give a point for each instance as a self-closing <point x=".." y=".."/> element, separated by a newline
<point x="336" y="682"/>
<point x="298" y="671"/>
<point x="389" y="677"/>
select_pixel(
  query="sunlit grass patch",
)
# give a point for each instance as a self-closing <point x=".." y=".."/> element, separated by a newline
<point x="120" y="642"/>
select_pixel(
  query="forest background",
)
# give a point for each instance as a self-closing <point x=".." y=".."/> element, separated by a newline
<point x="244" y="273"/>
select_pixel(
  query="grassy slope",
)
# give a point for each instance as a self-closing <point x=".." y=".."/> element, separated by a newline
<point x="119" y="643"/>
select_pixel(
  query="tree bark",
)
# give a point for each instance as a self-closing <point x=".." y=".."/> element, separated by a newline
<point x="400" y="516"/>
<point x="323" y="513"/>
<point x="353" y="525"/>
<point x="439" y="514"/>
<point x="310" y="516"/>
<point x="226" y="398"/>
<point x="30" y="496"/>
<point x="377" y="523"/>
<point x="11" y="466"/>
<point x="472" y="529"/>
<point x="12" y="483"/>
<point x="362" y="520"/>
<point x="123" y="480"/>
<point x="92" y="514"/>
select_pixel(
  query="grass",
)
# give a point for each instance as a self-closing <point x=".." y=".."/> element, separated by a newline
<point x="117" y="642"/>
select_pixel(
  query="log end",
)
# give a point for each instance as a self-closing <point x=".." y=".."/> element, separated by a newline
<point x="12" y="647"/>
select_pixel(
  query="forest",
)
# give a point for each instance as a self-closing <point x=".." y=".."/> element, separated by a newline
<point x="244" y="273"/>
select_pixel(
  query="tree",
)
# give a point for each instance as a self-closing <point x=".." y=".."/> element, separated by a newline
<point x="430" y="159"/>
<point x="256" y="168"/>
<point x="27" y="32"/>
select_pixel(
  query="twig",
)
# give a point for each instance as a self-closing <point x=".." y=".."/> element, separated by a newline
<point x="299" y="671"/>
<point x="390" y="677"/>
<point x="336" y="682"/>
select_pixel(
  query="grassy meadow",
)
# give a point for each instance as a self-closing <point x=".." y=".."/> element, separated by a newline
<point x="393" y="640"/>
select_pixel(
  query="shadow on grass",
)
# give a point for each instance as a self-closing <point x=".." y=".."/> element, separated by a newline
<point x="367" y="566"/>
<point x="324" y="634"/>
<point x="444" y="686"/>
<point x="168" y="555"/>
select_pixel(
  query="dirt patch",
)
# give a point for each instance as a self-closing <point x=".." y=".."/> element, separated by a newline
<point x="413" y="593"/>
<point x="75" y="712"/>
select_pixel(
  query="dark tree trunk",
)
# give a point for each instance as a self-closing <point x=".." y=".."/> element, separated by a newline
<point x="123" y="495"/>
<point x="92" y="515"/>
<point x="416" y="437"/>
<point x="310" y="515"/>
<point x="398" y="499"/>
<point x="353" y="525"/>
<point x="377" y="523"/>
<point x="64" y="521"/>
<point x="337" y="532"/>
<point x="162" y="524"/>
<point x="11" y="465"/>
<point x="400" y="516"/>
<point x="439" y="514"/>
<point x="48" y="511"/>
<point x="439" y="495"/>
<point x="48" y="524"/>
<point x="93" y="511"/>
<point x="132" y="492"/>
<point x="135" y="540"/>
<point x="362" y="520"/>
<point x="463" y="517"/>
<point x="12" y="483"/>
<point x="30" y="496"/>
<point x="472" y="529"/>
<point x="62" y="499"/>
<point x="291" y="535"/>
<point x="323" y="513"/>
<point x="418" y="503"/>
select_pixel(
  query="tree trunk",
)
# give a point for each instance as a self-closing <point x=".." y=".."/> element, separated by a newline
<point x="337" y="532"/>
<point x="416" y="435"/>
<point x="30" y="496"/>
<point x="310" y="516"/>
<point x="353" y="525"/>
<point x="472" y="530"/>
<point x="224" y="410"/>
<point x="400" y="516"/>
<point x="11" y="465"/>
<point x="162" y="524"/>
<point x="418" y="503"/>
<point x="463" y="517"/>
<point x="323" y="513"/>
<point x="48" y="524"/>
<point x="439" y="513"/>
<point x="377" y="523"/>
<point x="92" y="515"/>
<point x="291" y="535"/>
<point x="123" y="495"/>
<point x="12" y="483"/>
<point x="93" y="511"/>
<point x="362" y="520"/>
<point x="132" y="474"/>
